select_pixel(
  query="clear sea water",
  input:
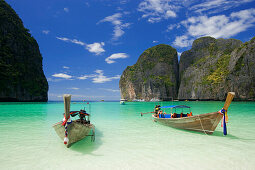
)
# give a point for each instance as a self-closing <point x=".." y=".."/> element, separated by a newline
<point x="124" y="139"/>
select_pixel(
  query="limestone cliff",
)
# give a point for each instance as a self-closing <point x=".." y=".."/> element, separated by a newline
<point x="21" y="74"/>
<point x="154" y="76"/>
<point x="242" y="71"/>
<point x="215" y="66"/>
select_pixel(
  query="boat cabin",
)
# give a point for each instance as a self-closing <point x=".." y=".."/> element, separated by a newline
<point x="160" y="111"/>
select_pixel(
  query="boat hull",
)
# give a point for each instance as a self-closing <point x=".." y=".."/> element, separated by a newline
<point x="76" y="131"/>
<point x="205" y="123"/>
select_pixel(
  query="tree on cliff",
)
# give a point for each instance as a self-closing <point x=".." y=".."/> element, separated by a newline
<point x="21" y="74"/>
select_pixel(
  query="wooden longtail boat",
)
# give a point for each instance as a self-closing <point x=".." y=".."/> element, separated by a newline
<point x="202" y="123"/>
<point x="73" y="131"/>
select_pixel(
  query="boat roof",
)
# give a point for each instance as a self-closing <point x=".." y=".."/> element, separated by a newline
<point x="174" y="106"/>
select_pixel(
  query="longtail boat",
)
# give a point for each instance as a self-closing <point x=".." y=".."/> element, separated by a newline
<point x="205" y="123"/>
<point x="73" y="131"/>
<point x="122" y="101"/>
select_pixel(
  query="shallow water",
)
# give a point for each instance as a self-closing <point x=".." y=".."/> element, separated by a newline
<point x="124" y="139"/>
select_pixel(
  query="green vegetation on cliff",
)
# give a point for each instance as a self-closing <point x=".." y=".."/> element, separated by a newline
<point x="155" y="75"/>
<point x="21" y="74"/>
<point x="218" y="73"/>
<point x="212" y="67"/>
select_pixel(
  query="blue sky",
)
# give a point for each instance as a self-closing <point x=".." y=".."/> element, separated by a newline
<point x="87" y="44"/>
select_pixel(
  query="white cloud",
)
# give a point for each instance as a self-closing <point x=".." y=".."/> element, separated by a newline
<point x="170" y="13"/>
<point x="96" y="48"/>
<point x="64" y="39"/>
<point x="65" y="67"/>
<point x="115" y="19"/>
<point x="219" y="26"/>
<point x="45" y="32"/>
<point x="172" y="26"/>
<point x="111" y="59"/>
<point x="74" y="88"/>
<point x="75" y="41"/>
<point x="100" y="78"/>
<point x="155" y="41"/>
<point x="84" y="77"/>
<point x="124" y="1"/>
<point x="215" y="6"/>
<point x="110" y="90"/>
<point x="182" y="41"/>
<point x="156" y="10"/>
<point x="49" y="79"/>
<point x="62" y="75"/>
<point x="66" y="9"/>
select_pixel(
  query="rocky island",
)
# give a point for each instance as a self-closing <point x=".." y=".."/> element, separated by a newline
<point x="207" y="71"/>
<point x="154" y="76"/>
<point x="21" y="73"/>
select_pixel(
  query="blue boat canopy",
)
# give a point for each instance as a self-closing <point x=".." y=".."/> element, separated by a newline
<point x="174" y="106"/>
<point x="171" y="106"/>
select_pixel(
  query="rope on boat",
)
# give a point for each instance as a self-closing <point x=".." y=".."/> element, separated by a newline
<point x="65" y="123"/>
<point x="224" y="120"/>
<point x="202" y="125"/>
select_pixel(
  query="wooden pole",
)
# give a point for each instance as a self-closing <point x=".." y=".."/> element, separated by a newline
<point x="228" y="100"/>
<point x="225" y="107"/>
<point x="67" y="100"/>
<point x="145" y="113"/>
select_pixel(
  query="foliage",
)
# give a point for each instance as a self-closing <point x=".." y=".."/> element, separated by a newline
<point x="239" y="64"/>
<point x="220" y="72"/>
<point x="20" y="58"/>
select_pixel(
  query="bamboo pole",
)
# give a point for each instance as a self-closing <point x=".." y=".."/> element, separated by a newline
<point x="67" y="100"/>
<point x="228" y="100"/>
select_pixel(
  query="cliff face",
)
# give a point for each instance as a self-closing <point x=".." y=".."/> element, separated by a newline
<point x="21" y="74"/>
<point x="213" y="67"/>
<point x="154" y="76"/>
<point x="242" y="71"/>
<point x="210" y="69"/>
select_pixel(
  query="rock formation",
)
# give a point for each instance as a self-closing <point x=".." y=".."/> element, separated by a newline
<point x="21" y="74"/>
<point x="154" y="76"/>
<point x="212" y="67"/>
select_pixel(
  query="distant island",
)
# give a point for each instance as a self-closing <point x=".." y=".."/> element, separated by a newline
<point x="21" y="74"/>
<point x="207" y="71"/>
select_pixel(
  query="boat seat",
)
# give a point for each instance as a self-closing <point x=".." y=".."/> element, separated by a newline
<point x="164" y="115"/>
<point x="161" y="115"/>
<point x="167" y="115"/>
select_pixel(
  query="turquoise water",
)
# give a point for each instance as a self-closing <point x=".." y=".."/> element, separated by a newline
<point x="124" y="139"/>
